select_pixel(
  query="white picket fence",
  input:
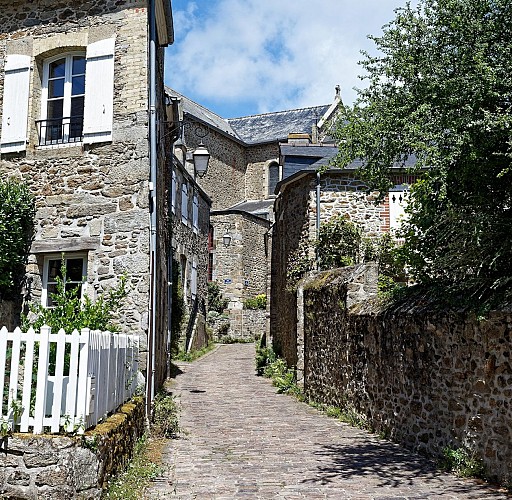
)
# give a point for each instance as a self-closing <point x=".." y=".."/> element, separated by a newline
<point x="103" y="368"/>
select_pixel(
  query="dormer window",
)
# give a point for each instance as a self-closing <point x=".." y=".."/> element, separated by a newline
<point x="63" y="100"/>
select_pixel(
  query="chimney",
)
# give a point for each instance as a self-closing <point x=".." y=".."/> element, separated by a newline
<point x="299" y="139"/>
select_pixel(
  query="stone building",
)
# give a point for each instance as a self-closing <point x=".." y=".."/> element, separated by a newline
<point x="190" y="226"/>
<point x="243" y="173"/>
<point x="305" y="200"/>
<point x="78" y="127"/>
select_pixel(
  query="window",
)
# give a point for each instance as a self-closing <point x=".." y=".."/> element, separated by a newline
<point x="195" y="213"/>
<point x="184" y="203"/>
<point x="273" y="177"/>
<point x="63" y="98"/>
<point x="77" y="98"/>
<point x="76" y="272"/>
<point x="397" y="203"/>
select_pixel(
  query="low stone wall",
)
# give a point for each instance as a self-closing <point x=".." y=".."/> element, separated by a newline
<point x="425" y="379"/>
<point x="61" y="467"/>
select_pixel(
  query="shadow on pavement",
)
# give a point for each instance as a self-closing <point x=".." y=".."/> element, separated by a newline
<point x="394" y="467"/>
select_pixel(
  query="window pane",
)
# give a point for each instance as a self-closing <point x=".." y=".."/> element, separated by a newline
<point x="73" y="286"/>
<point x="56" y="88"/>
<point x="74" y="268"/>
<point x="54" y="109"/>
<point x="78" y="86"/>
<point x="77" y="106"/>
<point x="51" y="289"/>
<point x="58" y="68"/>
<point x="54" y="269"/>
<point x="78" y="65"/>
<point x="273" y="177"/>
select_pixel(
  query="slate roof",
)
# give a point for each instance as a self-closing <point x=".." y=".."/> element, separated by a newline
<point x="255" y="207"/>
<point x="205" y="115"/>
<point x="269" y="127"/>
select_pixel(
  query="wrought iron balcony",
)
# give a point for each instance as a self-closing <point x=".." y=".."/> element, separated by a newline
<point x="60" y="130"/>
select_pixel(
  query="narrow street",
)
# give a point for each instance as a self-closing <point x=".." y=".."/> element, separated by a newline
<point x="242" y="440"/>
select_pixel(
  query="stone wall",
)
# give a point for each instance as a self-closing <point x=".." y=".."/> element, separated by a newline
<point x="426" y="379"/>
<point x="61" y="467"/>
<point x="93" y="200"/>
<point x="190" y="247"/>
<point x="241" y="267"/>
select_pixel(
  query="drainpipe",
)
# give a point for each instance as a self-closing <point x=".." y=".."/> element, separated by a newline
<point x="317" y="218"/>
<point x="150" y="387"/>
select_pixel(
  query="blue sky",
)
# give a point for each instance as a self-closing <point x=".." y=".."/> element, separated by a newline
<point x="244" y="57"/>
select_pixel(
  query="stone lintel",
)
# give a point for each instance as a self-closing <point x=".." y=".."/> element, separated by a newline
<point x="65" y="245"/>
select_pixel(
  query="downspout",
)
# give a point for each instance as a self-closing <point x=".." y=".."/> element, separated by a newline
<point x="317" y="219"/>
<point x="150" y="389"/>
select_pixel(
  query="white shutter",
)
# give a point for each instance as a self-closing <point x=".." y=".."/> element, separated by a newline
<point x="195" y="213"/>
<point x="15" y="103"/>
<point x="173" y="192"/>
<point x="99" y="91"/>
<point x="193" y="280"/>
<point x="184" y="204"/>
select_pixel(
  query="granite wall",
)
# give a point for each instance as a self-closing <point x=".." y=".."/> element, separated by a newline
<point x="61" y="467"/>
<point x="426" y="379"/>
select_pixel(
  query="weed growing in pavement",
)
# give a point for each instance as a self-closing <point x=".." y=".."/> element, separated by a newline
<point x="462" y="462"/>
<point x="283" y="378"/>
<point x="195" y="354"/>
<point x="264" y="356"/>
<point x="141" y="469"/>
<point x="165" y="418"/>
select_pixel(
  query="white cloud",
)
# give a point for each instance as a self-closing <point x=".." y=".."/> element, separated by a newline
<point x="271" y="54"/>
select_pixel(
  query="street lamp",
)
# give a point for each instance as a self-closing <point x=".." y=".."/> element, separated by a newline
<point x="226" y="239"/>
<point x="201" y="157"/>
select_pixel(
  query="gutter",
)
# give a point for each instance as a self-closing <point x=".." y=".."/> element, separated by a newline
<point x="150" y="376"/>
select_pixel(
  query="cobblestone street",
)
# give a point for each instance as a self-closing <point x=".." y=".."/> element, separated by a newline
<point x="242" y="440"/>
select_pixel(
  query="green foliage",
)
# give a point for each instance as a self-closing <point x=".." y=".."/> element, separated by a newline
<point x="194" y="354"/>
<point x="165" y="416"/>
<point x="216" y="302"/>
<point x="264" y="356"/>
<point x="69" y="312"/>
<point x="283" y="378"/>
<point x="258" y="302"/>
<point x="440" y="90"/>
<point x="462" y="462"/>
<point x="130" y="484"/>
<point x="338" y="243"/>
<point x="299" y="263"/>
<point x="177" y="308"/>
<point x="17" y="212"/>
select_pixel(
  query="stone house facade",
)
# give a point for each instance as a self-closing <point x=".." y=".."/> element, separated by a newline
<point x="190" y="226"/>
<point x="243" y="171"/>
<point x="305" y="200"/>
<point x="74" y="84"/>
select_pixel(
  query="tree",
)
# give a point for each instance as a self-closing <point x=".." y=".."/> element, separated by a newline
<point x="17" y="214"/>
<point x="441" y="90"/>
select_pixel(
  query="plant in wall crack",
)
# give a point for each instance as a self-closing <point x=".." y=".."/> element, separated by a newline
<point x="258" y="302"/>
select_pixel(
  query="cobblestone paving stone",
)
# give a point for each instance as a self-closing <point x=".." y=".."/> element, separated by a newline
<point x="242" y="440"/>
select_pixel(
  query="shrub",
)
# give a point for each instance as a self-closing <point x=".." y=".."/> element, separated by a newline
<point x="177" y="309"/>
<point x="258" y="302"/>
<point x="462" y="462"/>
<point x="216" y="302"/>
<point x="165" y="422"/>
<point x="69" y="312"/>
<point x="338" y="244"/>
<point x="17" y="214"/>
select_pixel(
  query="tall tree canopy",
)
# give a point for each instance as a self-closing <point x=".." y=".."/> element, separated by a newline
<point x="441" y="89"/>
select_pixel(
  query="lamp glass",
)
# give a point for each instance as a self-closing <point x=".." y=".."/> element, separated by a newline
<point x="226" y="239"/>
<point x="201" y="157"/>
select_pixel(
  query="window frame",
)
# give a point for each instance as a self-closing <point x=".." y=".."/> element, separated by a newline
<point x="67" y="98"/>
<point x="45" y="278"/>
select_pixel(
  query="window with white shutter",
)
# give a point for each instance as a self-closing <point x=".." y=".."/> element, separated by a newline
<point x="99" y="91"/>
<point x="62" y="106"/>
<point x="195" y="214"/>
<point x="15" y="103"/>
<point x="397" y="202"/>
<point x="184" y="204"/>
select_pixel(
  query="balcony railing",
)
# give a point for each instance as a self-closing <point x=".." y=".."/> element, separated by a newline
<point x="60" y="130"/>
